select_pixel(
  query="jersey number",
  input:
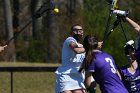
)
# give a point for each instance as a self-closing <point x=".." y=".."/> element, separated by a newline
<point x="111" y="64"/>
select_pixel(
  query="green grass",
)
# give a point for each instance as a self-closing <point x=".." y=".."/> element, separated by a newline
<point x="28" y="82"/>
<point x="15" y="64"/>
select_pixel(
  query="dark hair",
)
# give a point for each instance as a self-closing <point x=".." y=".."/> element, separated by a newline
<point x="137" y="55"/>
<point x="72" y="28"/>
<point x="90" y="43"/>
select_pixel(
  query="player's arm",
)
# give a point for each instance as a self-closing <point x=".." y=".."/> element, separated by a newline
<point x="119" y="75"/>
<point x="124" y="14"/>
<point x="133" y="24"/>
<point x="76" y="49"/>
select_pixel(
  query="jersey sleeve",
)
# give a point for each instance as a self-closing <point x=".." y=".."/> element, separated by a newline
<point x="122" y="71"/>
<point x="70" y="39"/>
<point x="91" y="67"/>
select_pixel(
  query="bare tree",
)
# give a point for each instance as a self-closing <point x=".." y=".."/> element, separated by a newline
<point x="52" y="33"/>
<point x="16" y="15"/>
<point x="73" y="6"/>
<point x="36" y="22"/>
<point x="10" y="55"/>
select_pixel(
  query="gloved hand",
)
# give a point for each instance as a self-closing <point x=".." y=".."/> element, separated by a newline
<point x="121" y="14"/>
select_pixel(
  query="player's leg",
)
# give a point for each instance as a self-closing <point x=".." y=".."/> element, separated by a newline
<point x="92" y="88"/>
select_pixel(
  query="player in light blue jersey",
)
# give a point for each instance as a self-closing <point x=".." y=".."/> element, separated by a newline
<point x="102" y="67"/>
<point x="68" y="79"/>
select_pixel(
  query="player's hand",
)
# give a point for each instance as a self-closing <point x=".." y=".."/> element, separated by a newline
<point x="2" y="48"/>
<point x="121" y="14"/>
<point x="100" y="44"/>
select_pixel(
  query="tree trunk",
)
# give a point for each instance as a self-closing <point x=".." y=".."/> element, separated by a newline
<point x="16" y="16"/>
<point x="36" y="22"/>
<point x="73" y="7"/>
<point x="10" y="55"/>
<point x="52" y="33"/>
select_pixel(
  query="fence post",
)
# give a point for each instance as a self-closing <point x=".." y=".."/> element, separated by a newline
<point x="11" y="81"/>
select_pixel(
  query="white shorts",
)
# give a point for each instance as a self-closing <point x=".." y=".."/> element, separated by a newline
<point x="69" y="82"/>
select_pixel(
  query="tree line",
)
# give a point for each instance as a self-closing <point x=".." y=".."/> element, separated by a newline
<point x="42" y="38"/>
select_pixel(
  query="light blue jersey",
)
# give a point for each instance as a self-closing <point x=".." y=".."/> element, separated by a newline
<point x="71" y="61"/>
<point x="67" y="75"/>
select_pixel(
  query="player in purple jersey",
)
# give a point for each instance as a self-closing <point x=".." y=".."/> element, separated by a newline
<point x="130" y="73"/>
<point x="102" y="67"/>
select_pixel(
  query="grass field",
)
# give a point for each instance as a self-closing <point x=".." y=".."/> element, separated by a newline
<point x="28" y="82"/>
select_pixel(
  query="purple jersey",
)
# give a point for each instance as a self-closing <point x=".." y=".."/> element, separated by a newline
<point x="131" y="81"/>
<point x="105" y="74"/>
